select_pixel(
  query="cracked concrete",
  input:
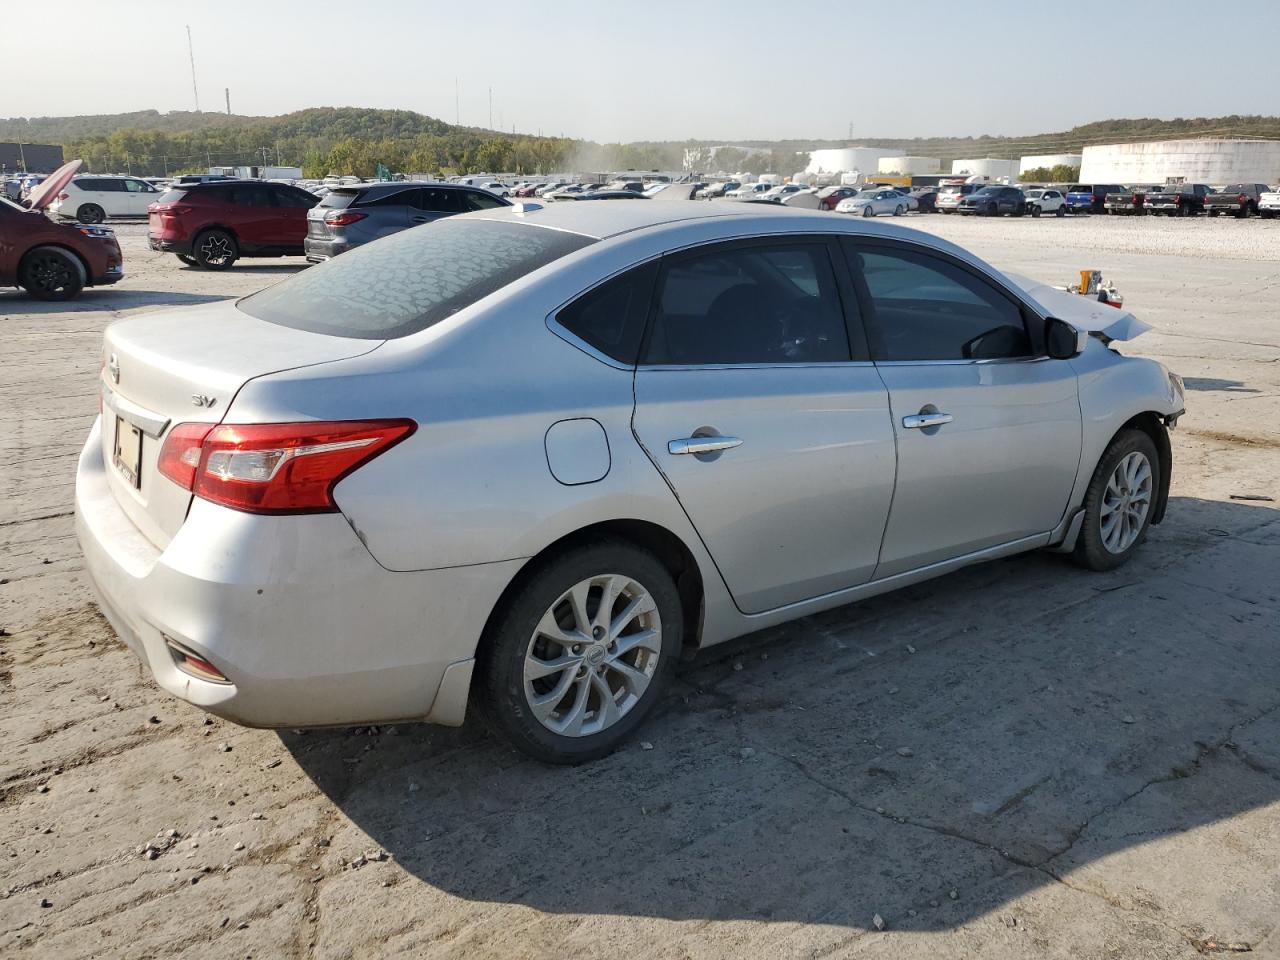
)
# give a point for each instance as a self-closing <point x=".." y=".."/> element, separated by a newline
<point x="1094" y="768"/>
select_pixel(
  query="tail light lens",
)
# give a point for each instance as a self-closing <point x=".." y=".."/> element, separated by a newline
<point x="274" y="467"/>
<point x="343" y="218"/>
<point x="175" y="209"/>
<point x="1242" y="198"/>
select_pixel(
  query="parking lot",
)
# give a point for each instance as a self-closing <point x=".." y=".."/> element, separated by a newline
<point x="1023" y="758"/>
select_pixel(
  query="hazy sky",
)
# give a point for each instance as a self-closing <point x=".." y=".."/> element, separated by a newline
<point x="657" y="69"/>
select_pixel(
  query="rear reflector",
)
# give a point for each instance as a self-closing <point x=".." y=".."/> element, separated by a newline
<point x="190" y="663"/>
<point x="274" y="467"/>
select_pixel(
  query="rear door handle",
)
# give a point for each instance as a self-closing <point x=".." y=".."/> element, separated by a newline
<point x="419" y="219"/>
<point x="919" y="420"/>
<point x="702" y="445"/>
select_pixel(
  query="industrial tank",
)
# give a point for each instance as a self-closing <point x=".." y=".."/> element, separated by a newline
<point x="1216" y="161"/>
<point x="909" y="166"/>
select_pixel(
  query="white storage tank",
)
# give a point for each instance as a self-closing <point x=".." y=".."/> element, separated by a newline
<point x="848" y="159"/>
<point x="909" y="166"/>
<point x="1195" y="161"/>
<point x="992" y="167"/>
<point x="1048" y="161"/>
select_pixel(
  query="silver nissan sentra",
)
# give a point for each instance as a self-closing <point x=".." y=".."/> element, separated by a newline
<point x="525" y="457"/>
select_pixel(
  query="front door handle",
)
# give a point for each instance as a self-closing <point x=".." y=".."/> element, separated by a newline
<point x="697" y="445"/>
<point x="918" y="421"/>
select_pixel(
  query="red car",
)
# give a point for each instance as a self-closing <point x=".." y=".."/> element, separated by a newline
<point x="51" y="260"/>
<point x="212" y="225"/>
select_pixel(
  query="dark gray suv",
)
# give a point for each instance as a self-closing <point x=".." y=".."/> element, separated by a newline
<point x="350" y="216"/>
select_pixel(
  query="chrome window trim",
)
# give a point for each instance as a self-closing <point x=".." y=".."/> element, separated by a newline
<point x="826" y="364"/>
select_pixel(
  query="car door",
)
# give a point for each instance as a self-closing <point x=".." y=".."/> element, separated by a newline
<point x="289" y="227"/>
<point x="254" y="218"/>
<point x="771" y="429"/>
<point x="988" y="428"/>
<point x="138" y="195"/>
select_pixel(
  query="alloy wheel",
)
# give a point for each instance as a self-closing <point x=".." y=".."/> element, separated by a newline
<point x="216" y="249"/>
<point x="48" y="273"/>
<point x="592" y="655"/>
<point x="1126" y="503"/>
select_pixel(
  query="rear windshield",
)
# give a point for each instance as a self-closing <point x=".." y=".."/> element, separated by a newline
<point x="410" y="280"/>
<point x="172" y="196"/>
<point x="338" y="199"/>
<point x="1080" y="188"/>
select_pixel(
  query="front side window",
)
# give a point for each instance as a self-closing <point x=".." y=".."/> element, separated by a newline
<point x="410" y="280"/>
<point x="439" y="200"/>
<point x="471" y="200"/>
<point x="749" y="304"/>
<point x="923" y="307"/>
<point x="290" y="198"/>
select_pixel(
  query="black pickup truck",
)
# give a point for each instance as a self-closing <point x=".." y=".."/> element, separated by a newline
<point x="1131" y="201"/>
<point x="1239" y="199"/>
<point x="1178" y="199"/>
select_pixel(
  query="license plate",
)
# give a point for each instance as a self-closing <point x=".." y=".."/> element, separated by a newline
<point x="128" y="452"/>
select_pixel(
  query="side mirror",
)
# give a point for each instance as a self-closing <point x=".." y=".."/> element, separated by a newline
<point x="1062" y="341"/>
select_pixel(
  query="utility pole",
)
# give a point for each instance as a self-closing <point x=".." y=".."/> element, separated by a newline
<point x="491" y="108"/>
<point x="228" y="92"/>
<point x="456" y="113"/>
<point x="191" y="52"/>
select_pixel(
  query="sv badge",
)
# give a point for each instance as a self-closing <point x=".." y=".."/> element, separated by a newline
<point x="200" y="400"/>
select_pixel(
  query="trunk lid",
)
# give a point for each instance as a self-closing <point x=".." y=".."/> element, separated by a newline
<point x="186" y="366"/>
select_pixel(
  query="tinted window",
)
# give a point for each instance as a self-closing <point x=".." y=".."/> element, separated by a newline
<point x="926" y="308"/>
<point x="474" y="200"/>
<point x="611" y="317"/>
<point x="248" y="195"/>
<point x="440" y="200"/>
<point x="773" y="303"/>
<point x="171" y="196"/>
<point x="286" y="197"/>
<point x="410" y="280"/>
<point x="392" y="198"/>
<point x="338" y="199"/>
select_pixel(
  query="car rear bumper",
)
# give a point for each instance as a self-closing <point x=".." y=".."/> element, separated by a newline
<point x="169" y="246"/>
<point x="306" y="626"/>
<point x="318" y="250"/>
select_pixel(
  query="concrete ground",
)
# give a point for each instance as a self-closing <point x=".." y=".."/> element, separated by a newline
<point x="1020" y="760"/>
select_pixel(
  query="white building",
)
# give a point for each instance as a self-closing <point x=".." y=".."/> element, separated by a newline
<point x="903" y="166"/>
<point x="1048" y="161"/>
<point x="992" y="167"/>
<point x="1196" y="161"/>
<point x="848" y="159"/>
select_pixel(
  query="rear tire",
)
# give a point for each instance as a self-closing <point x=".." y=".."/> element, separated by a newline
<point x="1119" y="503"/>
<point x="91" y="213"/>
<point x="51" y="273"/>
<point x="189" y="261"/>
<point x="215" y="250"/>
<point x="1061" y="211"/>
<point x="518" y="677"/>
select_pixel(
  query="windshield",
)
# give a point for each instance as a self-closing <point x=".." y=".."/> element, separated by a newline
<point x="410" y="280"/>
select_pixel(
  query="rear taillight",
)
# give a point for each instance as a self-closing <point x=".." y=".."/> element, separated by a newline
<point x="176" y="209"/>
<point x="1242" y="198"/>
<point x="343" y="218"/>
<point x="274" y="467"/>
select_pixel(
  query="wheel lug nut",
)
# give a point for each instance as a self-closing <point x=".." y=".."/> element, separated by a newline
<point x="577" y="648"/>
<point x="598" y="632"/>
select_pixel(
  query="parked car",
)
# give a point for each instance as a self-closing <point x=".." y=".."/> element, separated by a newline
<point x="1046" y="200"/>
<point x="720" y="189"/>
<point x="49" y="259"/>
<point x="350" y="216"/>
<point x="688" y="397"/>
<point x="776" y="193"/>
<point x="571" y="190"/>
<point x="190" y="179"/>
<point x="926" y="200"/>
<point x="1130" y="201"/>
<point x="212" y="225"/>
<point x="1090" y="197"/>
<point x="1269" y="204"/>
<point x="92" y="199"/>
<point x="994" y="200"/>
<point x="870" y="203"/>
<point x="828" y="197"/>
<point x="1238" y="199"/>
<point x="950" y="195"/>
<point x="549" y="187"/>
<point x="750" y="191"/>
<point x="1178" y="200"/>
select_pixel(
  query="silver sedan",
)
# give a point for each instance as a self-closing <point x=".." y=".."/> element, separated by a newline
<point x="870" y="203"/>
<point x="530" y="456"/>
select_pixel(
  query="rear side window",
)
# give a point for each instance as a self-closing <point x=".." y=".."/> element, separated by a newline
<point x="926" y="308"/>
<point x="410" y="280"/>
<point x="394" y="198"/>
<point x="754" y="304"/>
<point x="611" y="317"/>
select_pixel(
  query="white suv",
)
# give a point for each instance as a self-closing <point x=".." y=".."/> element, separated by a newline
<point x="91" y="199"/>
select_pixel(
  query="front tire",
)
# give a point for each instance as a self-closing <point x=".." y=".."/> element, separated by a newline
<point x="51" y="273"/>
<point x="579" y="655"/>
<point x="868" y="211"/>
<point x="897" y="211"/>
<point x="1119" y="503"/>
<point x="91" y="213"/>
